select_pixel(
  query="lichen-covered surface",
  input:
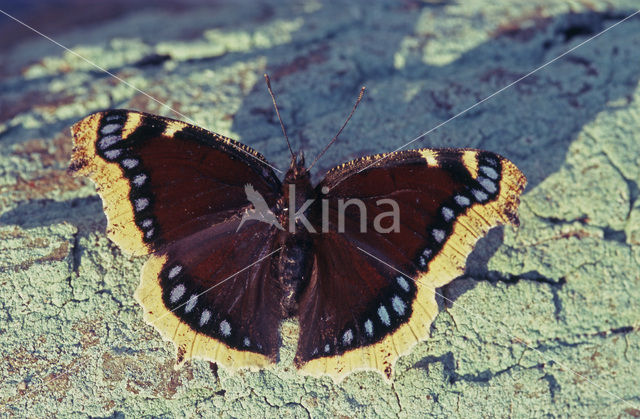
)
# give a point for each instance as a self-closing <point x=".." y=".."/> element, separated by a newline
<point x="546" y="321"/>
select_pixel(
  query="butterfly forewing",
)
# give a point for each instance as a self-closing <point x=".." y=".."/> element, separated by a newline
<point x="162" y="179"/>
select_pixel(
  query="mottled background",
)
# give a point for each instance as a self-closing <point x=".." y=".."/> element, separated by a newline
<point x="557" y="297"/>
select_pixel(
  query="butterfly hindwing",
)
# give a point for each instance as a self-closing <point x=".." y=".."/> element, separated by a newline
<point x="372" y="295"/>
<point x="215" y="294"/>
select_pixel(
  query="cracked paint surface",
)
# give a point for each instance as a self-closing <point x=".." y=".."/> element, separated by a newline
<point x="558" y="295"/>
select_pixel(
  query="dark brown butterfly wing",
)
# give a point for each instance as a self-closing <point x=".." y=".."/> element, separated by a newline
<point x="178" y="191"/>
<point x="215" y="294"/>
<point x="162" y="179"/>
<point x="372" y="293"/>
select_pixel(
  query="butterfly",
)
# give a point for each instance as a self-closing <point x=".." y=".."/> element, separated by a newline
<point x="356" y="258"/>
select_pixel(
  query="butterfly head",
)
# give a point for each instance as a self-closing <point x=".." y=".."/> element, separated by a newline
<point x="297" y="170"/>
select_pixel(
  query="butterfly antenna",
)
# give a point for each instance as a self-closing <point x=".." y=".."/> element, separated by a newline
<point x="275" y="105"/>
<point x="333" y="140"/>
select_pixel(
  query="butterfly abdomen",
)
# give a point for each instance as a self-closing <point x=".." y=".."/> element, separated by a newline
<point x="294" y="267"/>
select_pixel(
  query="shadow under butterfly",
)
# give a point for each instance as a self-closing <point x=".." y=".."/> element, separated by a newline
<point x="218" y="283"/>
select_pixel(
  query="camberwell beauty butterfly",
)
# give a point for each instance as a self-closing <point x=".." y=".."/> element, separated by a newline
<point x="234" y="250"/>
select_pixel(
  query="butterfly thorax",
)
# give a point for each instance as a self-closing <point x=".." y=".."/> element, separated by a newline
<point x="296" y="191"/>
<point x="294" y="267"/>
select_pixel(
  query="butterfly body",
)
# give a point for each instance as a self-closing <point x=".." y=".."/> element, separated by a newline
<point x="293" y="266"/>
<point x="356" y="259"/>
